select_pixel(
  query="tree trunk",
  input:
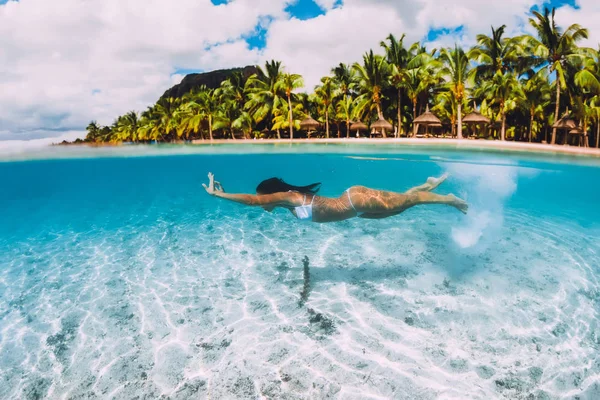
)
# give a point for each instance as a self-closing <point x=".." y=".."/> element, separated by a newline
<point x="347" y="128"/>
<point x="210" y="127"/>
<point x="326" y="123"/>
<point x="531" y="127"/>
<point x="380" y="116"/>
<point x="232" y="134"/>
<point x="459" y="115"/>
<point x="556" y="109"/>
<point x="503" y="131"/>
<point x="414" y="117"/>
<point x="597" y="134"/>
<point x="400" y="112"/>
<point x="584" y="134"/>
<point x="290" y="117"/>
<point x="278" y="134"/>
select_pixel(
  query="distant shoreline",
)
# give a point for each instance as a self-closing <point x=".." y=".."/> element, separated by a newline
<point x="467" y="144"/>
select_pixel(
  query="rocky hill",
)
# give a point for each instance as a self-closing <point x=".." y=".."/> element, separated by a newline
<point x="211" y="80"/>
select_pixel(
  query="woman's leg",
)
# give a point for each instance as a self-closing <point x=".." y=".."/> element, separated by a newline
<point x="380" y="204"/>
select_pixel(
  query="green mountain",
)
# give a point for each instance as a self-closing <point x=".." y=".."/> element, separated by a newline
<point x="211" y="80"/>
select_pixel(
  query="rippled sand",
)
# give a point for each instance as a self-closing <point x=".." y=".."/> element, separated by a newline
<point x="213" y="311"/>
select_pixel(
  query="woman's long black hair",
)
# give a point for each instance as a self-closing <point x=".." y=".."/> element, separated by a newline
<point x="277" y="185"/>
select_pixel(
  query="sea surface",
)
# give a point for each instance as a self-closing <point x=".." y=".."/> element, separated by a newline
<point x="121" y="278"/>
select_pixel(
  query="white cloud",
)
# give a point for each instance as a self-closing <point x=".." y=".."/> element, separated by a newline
<point x="312" y="47"/>
<point x="326" y="4"/>
<point x="588" y="16"/>
<point x="66" y="62"/>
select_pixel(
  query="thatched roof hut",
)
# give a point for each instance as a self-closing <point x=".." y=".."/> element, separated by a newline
<point x="427" y="118"/>
<point x="565" y="123"/>
<point x="309" y="123"/>
<point x="475" y="118"/>
<point x="382" y="124"/>
<point x="358" y="126"/>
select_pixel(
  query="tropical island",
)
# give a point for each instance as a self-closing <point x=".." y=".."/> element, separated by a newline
<point x="543" y="88"/>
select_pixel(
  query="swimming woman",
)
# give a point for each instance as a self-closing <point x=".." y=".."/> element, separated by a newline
<point x="357" y="201"/>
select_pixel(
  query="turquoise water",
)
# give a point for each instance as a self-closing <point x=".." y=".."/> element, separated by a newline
<point x="121" y="278"/>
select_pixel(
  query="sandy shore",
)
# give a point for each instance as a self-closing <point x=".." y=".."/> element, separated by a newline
<point x="425" y="142"/>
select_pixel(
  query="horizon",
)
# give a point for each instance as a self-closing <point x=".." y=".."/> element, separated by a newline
<point x="57" y="78"/>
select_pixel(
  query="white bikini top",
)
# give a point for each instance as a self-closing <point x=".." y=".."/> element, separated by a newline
<point x="304" y="212"/>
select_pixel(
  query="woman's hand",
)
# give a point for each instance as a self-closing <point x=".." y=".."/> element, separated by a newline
<point x="213" y="187"/>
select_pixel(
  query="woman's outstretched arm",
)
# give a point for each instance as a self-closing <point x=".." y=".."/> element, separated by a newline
<point x="276" y="199"/>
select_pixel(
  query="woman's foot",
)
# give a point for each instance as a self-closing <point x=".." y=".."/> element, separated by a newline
<point x="433" y="183"/>
<point x="459" y="204"/>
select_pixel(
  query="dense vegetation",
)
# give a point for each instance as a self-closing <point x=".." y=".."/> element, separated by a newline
<point x="522" y="84"/>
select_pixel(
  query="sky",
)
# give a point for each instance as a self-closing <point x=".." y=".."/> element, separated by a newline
<point x="64" y="63"/>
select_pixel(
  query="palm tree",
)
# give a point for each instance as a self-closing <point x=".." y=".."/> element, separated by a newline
<point x="595" y="114"/>
<point x="422" y="75"/>
<point x="445" y="108"/>
<point x="345" y="112"/>
<point x="502" y="90"/>
<point x="127" y="126"/>
<point x="587" y="80"/>
<point x="210" y="104"/>
<point x="324" y="96"/>
<point x="344" y="79"/>
<point x="93" y="132"/>
<point x="288" y="83"/>
<point x="201" y="105"/>
<point x="232" y="95"/>
<point x="415" y="82"/>
<point x="164" y="117"/>
<point x="281" y="117"/>
<point x="308" y="104"/>
<point x="227" y="112"/>
<point x="588" y="77"/>
<point x="234" y="89"/>
<point x="397" y="58"/>
<point x="536" y="97"/>
<point x="190" y="118"/>
<point x="264" y="93"/>
<point x="456" y="69"/>
<point x="105" y="134"/>
<point x="244" y="122"/>
<point x="553" y="49"/>
<point x="493" y="54"/>
<point x="373" y="75"/>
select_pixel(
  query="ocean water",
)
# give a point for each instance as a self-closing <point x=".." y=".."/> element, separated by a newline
<point x="121" y="278"/>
